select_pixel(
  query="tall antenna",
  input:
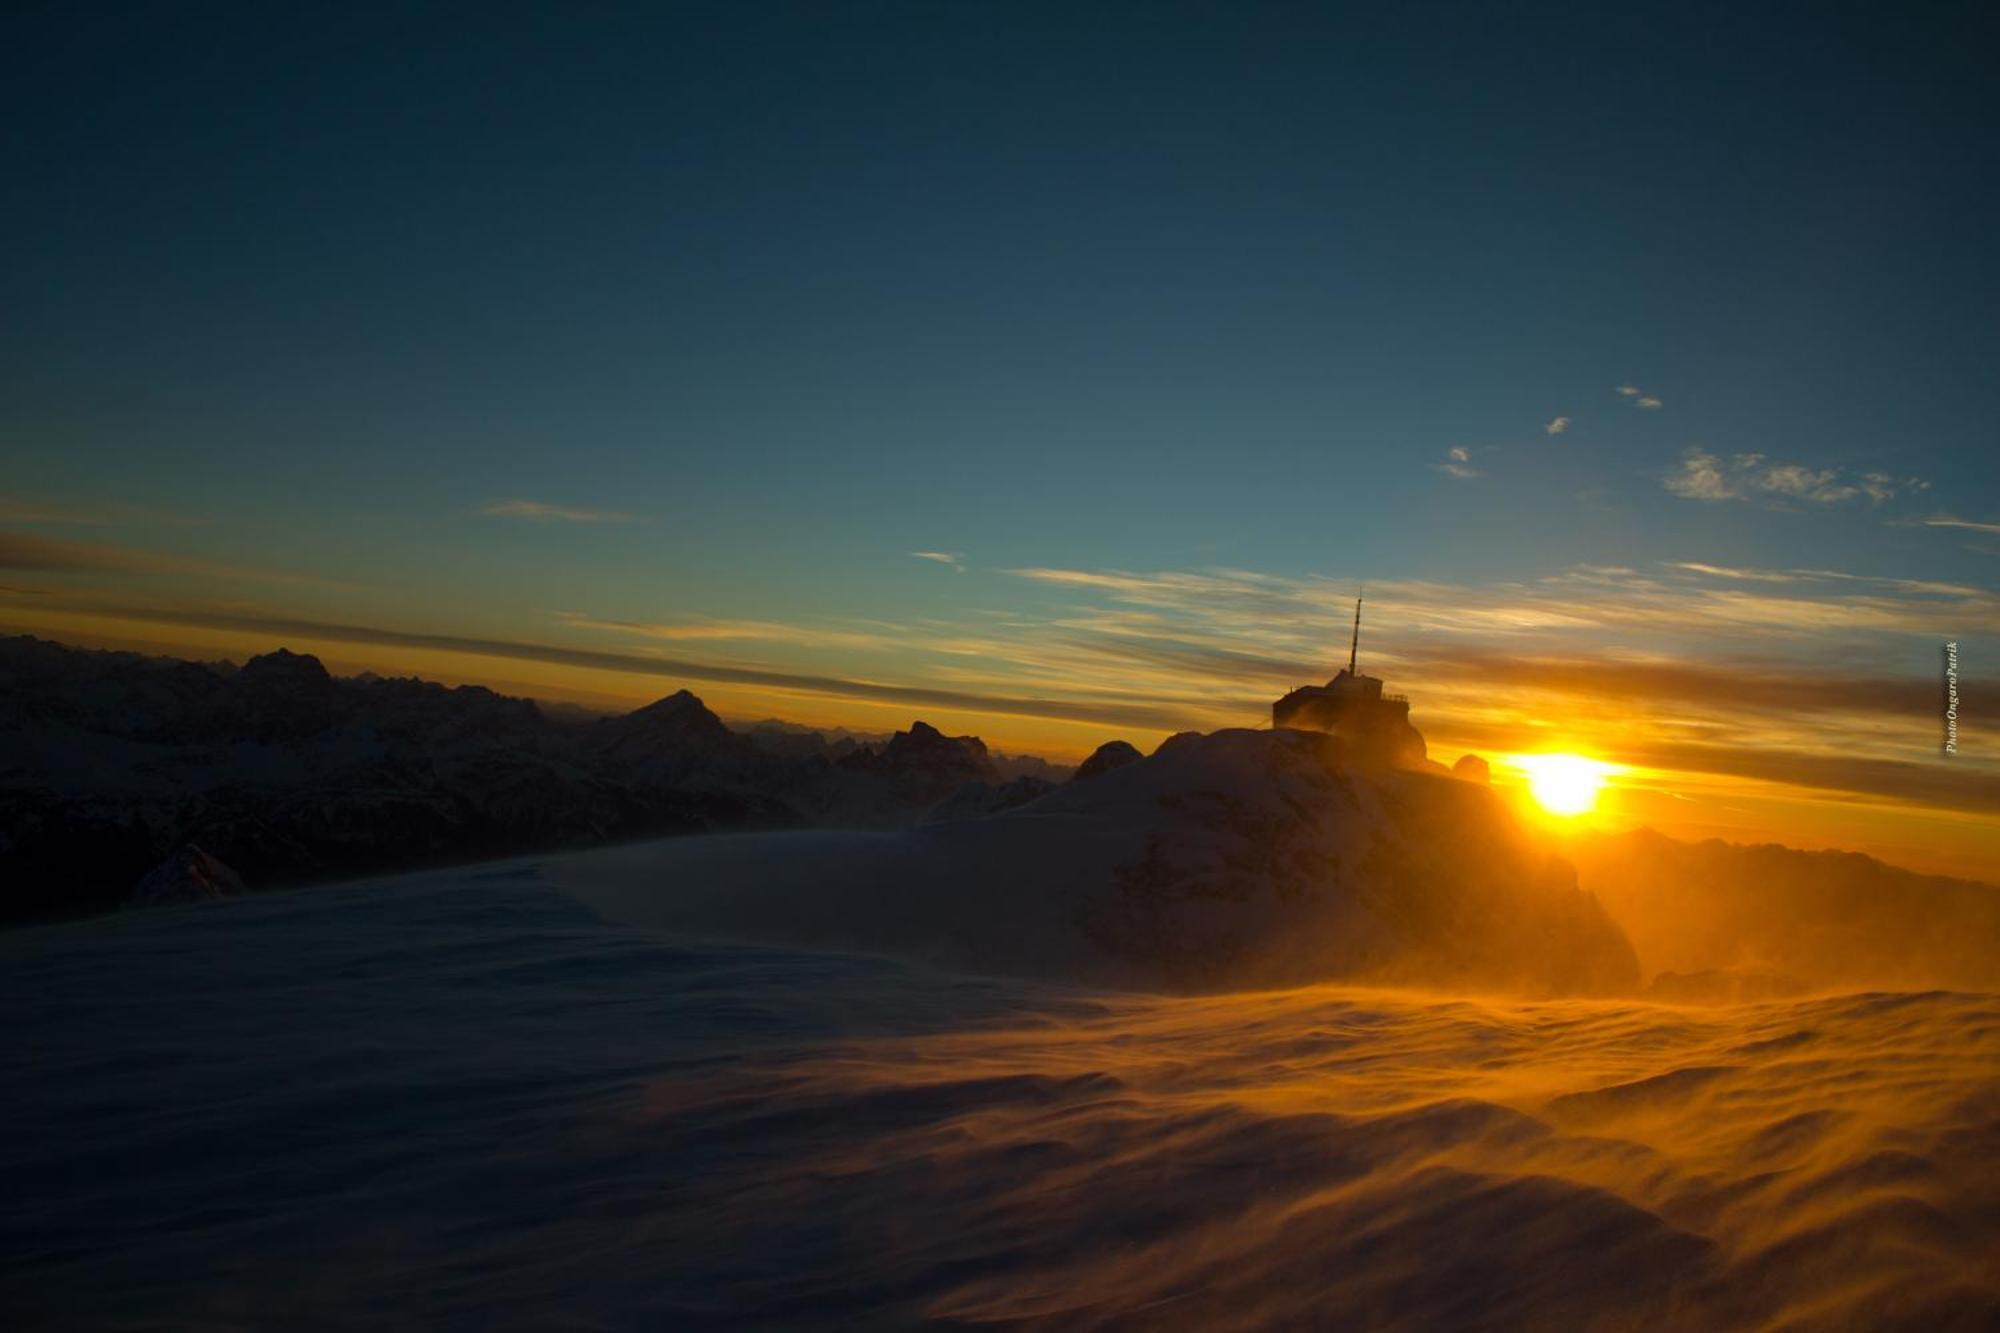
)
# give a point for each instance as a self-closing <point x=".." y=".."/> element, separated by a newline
<point x="1355" y="647"/>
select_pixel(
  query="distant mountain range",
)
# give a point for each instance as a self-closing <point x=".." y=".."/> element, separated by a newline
<point x="127" y="779"/>
<point x="113" y="765"/>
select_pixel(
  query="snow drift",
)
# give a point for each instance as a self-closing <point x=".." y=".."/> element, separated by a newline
<point x="456" y="1101"/>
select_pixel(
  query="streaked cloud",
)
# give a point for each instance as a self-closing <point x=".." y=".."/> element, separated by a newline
<point x="541" y="512"/>
<point x="95" y="514"/>
<point x="950" y="559"/>
<point x="1683" y="601"/>
<point x="1947" y="521"/>
<point x="1557" y="426"/>
<point x="24" y="551"/>
<point x="734" y="631"/>
<point x="1649" y="403"/>
<point x="16" y="509"/>
<point x="280" y="629"/>
<point x="1639" y="398"/>
<point x="1702" y="475"/>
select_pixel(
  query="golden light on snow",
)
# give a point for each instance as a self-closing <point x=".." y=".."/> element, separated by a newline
<point x="1563" y="784"/>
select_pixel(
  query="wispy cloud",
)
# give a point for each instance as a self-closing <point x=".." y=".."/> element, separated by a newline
<point x="1457" y="464"/>
<point x="1709" y="603"/>
<point x="1947" y="521"/>
<point x="703" y="630"/>
<point x="1639" y="398"/>
<point x="1649" y="403"/>
<point x="950" y="559"/>
<point x="1702" y="475"/>
<point x="541" y="512"/>
<point x="1557" y="426"/>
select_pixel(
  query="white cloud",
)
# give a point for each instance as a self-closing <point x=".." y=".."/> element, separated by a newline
<point x="1703" y="476"/>
<point x="1558" y="426"/>
<point x="950" y="558"/>
<point x="538" y="511"/>
<point x="1651" y="404"/>
<point x="1820" y="485"/>
<point x="1629" y="390"/>
<point x="1457" y="464"/>
<point x="1640" y="398"/>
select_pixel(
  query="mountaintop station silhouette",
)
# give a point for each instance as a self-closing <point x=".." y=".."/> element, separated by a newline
<point x="1374" y="727"/>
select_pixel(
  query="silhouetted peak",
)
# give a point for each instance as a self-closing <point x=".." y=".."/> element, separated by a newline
<point x="189" y="875"/>
<point x="680" y="720"/>
<point x="1472" y="768"/>
<point x="924" y="762"/>
<point x="681" y="710"/>
<point x="922" y="738"/>
<point x="283" y="666"/>
<point x="1110" y="755"/>
<point x="679" y="703"/>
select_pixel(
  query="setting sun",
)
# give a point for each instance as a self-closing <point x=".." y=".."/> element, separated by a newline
<point x="1563" y="784"/>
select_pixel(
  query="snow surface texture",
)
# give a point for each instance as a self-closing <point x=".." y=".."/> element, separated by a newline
<point x="459" y="1101"/>
<point x="1232" y="860"/>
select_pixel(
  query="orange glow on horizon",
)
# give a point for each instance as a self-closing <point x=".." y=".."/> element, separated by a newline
<point x="1686" y="803"/>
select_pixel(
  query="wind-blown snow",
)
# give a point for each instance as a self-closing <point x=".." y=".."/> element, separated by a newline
<point x="1231" y="860"/>
<point x="461" y="1101"/>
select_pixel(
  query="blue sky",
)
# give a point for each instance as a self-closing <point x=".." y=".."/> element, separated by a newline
<point x="765" y="298"/>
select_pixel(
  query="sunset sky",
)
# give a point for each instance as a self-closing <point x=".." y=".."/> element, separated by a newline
<point x="1049" y="376"/>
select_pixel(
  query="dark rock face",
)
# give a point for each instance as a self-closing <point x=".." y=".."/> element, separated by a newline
<point x="110" y="762"/>
<point x="1472" y="768"/>
<point x="917" y="768"/>
<point x="1110" y="755"/>
<point x="923" y="748"/>
<point x="976" y="800"/>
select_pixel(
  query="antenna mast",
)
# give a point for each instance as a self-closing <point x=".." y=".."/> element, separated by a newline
<point x="1354" y="648"/>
